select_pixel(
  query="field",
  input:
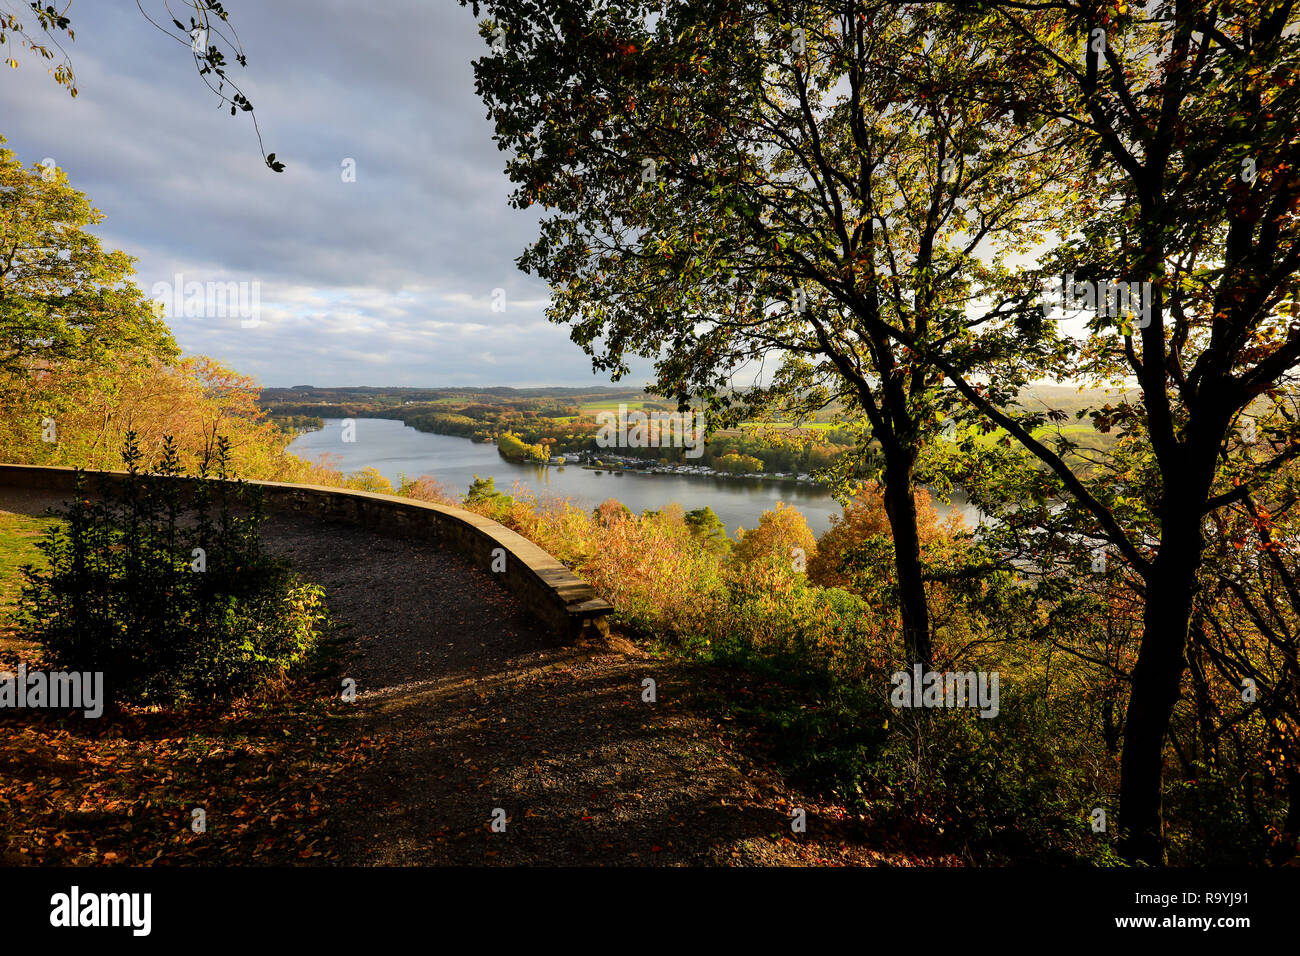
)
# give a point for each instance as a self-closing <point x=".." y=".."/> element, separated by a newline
<point x="611" y="405"/>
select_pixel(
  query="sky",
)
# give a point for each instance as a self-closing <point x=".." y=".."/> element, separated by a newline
<point x="385" y="280"/>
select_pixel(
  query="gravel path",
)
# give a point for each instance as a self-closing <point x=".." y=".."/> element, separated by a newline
<point x="468" y="707"/>
<point x="472" y="707"/>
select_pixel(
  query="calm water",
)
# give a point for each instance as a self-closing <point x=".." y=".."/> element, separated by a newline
<point x="396" y="449"/>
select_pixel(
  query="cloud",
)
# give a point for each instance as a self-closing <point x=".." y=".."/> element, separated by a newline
<point x="385" y="280"/>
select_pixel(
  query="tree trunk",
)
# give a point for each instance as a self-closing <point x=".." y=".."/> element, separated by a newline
<point x="900" y="505"/>
<point x="1156" y="680"/>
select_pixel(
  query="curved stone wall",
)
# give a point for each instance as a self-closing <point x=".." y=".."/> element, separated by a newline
<point x="555" y="594"/>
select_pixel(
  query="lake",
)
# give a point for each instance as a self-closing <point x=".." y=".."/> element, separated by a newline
<point x="396" y="449"/>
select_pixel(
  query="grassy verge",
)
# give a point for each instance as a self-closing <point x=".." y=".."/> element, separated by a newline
<point x="18" y="536"/>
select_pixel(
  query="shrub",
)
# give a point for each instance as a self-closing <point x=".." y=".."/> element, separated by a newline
<point x="782" y="532"/>
<point x="174" y="602"/>
<point x="1014" y="787"/>
<point x="369" y="479"/>
<point x="426" y="488"/>
<point x="708" y="528"/>
<point x="1210" y="822"/>
<point x="610" y="511"/>
<point x="484" y="498"/>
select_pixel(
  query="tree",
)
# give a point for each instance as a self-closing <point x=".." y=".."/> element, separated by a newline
<point x="483" y="493"/>
<point x="705" y="525"/>
<point x="1186" y="111"/>
<point x="732" y="182"/>
<point x="84" y="358"/>
<point x="64" y="301"/>
<point x="1244" y="658"/>
<point x="209" y="36"/>
<point x="782" y="532"/>
<point x="864" y="521"/>
<point x="611" y="511"/>
<point x="513" y="448"/>
<point x="69" y="315"/>
<point x="740" y="464"/>
<point x="369" y="479"/>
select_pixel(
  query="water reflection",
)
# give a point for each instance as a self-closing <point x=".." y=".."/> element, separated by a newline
<point x="396" y="449"/>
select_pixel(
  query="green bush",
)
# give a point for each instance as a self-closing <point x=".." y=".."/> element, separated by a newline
<point x="829" y="725"/>
<point x="127" y="593"/>
<point x="1210" y="823"/>
<point x="1019" y="786"/>
<point x="1008" y="788"/>
<point x="483" y="493"/>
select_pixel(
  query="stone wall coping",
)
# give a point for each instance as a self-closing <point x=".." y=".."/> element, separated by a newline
<point x="566" y="602"/>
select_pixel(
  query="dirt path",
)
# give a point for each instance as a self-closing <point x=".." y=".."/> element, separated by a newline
<point x="467" y="705"/>
<point x="472" y="706"/>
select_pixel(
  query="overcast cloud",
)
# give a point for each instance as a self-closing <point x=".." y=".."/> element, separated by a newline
<point x="387" y="280"/>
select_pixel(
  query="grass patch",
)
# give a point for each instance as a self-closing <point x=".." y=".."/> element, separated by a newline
<point x="587" y="408"/>
<point x="18" y="536"/>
